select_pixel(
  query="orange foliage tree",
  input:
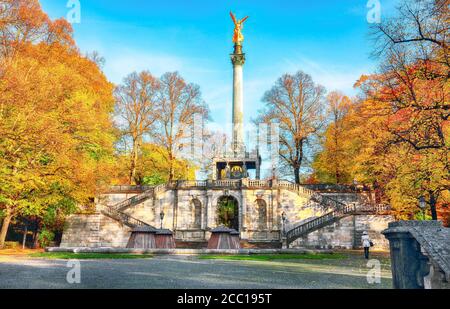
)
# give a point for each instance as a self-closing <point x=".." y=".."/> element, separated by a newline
<point x="399" y="133"/>
<point x="331" y="165"/>
<point x="56" y="138"/>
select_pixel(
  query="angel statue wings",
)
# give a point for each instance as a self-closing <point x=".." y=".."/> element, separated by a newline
<point x="238" y="37"/>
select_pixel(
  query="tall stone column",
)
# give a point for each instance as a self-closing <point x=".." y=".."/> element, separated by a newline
<point x="238" y="60"/>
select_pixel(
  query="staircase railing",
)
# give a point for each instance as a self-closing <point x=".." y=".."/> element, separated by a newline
<point x="123" y="217"/>
<point x="135" y="200"/>
<point x="149" y="193"/>
<point x="331" y="217"/>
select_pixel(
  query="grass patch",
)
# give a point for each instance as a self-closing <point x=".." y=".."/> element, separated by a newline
<point x="88" y="256"/>
<point x="272" y="257"/>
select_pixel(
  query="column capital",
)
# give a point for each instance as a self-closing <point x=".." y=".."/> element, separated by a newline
<point x="238" y="59"/>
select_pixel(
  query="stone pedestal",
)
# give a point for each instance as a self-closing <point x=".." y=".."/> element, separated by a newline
<point x="142" y="238"/>
<point x="235" y="239"/>
<point x="224" y="238"/>
<point x="164" y="239"/>
<point x="419" y="255"/>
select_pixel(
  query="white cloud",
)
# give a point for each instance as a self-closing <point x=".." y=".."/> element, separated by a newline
<point x="331" y="76"/>
<point x="121" y="64"/>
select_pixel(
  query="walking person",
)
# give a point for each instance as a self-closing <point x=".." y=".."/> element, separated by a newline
<point x="367" y="243"/>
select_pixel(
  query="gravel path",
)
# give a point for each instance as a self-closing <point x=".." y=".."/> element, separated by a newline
<point x="192" y="273"/>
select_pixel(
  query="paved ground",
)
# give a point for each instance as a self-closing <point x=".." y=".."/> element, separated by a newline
<point x="191" y="273"/>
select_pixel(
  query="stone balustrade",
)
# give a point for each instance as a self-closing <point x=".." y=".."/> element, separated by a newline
<point x="420" y="254"/>
<point x="231" y="184"/>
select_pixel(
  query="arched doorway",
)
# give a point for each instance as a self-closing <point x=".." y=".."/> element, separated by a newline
<point x="228" y="212"/>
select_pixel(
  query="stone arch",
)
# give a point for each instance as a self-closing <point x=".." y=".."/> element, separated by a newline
<point x="231" y="193"/>
<point x="261" y="207"/>
<point x="196" y="205"/>
<point x="228" y="211"/>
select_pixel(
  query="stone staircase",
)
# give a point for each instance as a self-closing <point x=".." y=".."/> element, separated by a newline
<point x="339" y="209"/>
<point x="140" y="198"/>
<point x="122" y="217"/>
<point x="341" y="212"/>
<point x="116" y="211"/>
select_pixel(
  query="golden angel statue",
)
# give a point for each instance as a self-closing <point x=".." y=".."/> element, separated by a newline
<point x="238" y="37"/>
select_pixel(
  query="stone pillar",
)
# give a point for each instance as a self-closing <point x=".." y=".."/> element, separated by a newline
<point x="258" y="168"/>
<point x="175" y="208"/>
<point x="269" y="213"/>
<point x="409" y="265"/>
<point x="211" y="213"/>
<point x="238" y="60"/>
<point x="215" y="172"/>
<point x="243" y="211"/>
<point x="204" y="220"/>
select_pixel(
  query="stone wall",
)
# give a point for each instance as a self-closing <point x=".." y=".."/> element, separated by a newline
<point x="113" y="234"/>
<point x="346" y="233"/>
<point x="94" y="230"/>
<point x="191" y="213"/>
<point x="82" y="231"/>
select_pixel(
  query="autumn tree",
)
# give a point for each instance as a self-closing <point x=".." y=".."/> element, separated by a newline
<point x="152" y="167"/>
<point x="179" y="103"/>
<point x="297" y="104"/>
<point x="55" y="118"/>
<point x="399" y="129"/>
<point x="331" y="164"/>
<point x="412" y="91"/>
<point x="137" y="107"/>
<point x="23" y="22"/>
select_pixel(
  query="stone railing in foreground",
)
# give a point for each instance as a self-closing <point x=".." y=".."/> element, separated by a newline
<point x="420" y="254"/>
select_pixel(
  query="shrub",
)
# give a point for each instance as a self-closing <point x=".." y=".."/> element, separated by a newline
<point x="45" y="238"/>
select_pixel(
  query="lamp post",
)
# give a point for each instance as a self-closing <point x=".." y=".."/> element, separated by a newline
<point x="161" y="216"/>
<point x="355" y="185"/>
<point x="423" y="206"/>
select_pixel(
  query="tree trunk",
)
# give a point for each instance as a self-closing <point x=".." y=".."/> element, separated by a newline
<point x="36" y="233"/>
<point x="298" y="161"/>
<point x="297" y="175"/>
<point x="4" y="230"/>
<point x="134" y="158"/>
<point x="36" y="240"/>
<point x="433" y="206"/>
<point x="24" y="239"/>
<point x="171" y="169"/>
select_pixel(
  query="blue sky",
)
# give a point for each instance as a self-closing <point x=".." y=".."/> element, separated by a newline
<point x="327" y="39"/>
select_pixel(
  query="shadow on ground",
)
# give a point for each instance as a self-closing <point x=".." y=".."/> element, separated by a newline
<point x="166" y="272"/>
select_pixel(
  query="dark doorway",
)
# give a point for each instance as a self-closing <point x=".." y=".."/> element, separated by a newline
<point x="228" y="212"/>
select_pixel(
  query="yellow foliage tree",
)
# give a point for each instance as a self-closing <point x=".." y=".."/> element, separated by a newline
<point x="331" y="165"/>
<point x="152" y="167"/>
<point x="56" y="137"/>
